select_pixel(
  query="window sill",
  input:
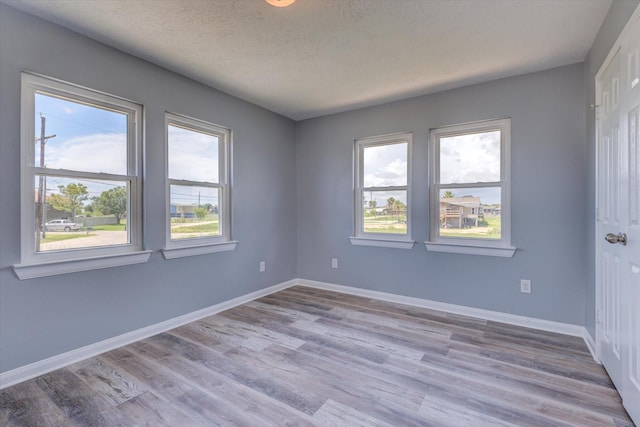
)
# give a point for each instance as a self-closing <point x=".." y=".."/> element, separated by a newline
<point x="505" y="252"/>
<point x="172" y="253"/>
<point x="382" y="243"/>
<point x="53" y="268"/>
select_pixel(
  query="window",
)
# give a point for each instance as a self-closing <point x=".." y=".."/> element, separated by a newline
<point x="469" y="197"/>
<point x="80" y="179"/>
<point x="382" y="193"/>
<point x="198" y="211"/>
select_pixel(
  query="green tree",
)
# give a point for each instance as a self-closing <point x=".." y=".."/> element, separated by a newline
<point x="201" y="213"/>
<point x="372" y="205"/>
<point x="112" y="202"/>
<point x="70" y="198"/>
<point x="448" y="195"/>
<point x="390" y="202"/>
<point x="399" y="208"/>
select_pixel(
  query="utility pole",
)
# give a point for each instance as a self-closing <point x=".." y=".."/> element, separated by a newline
<point x="41" y="219"/>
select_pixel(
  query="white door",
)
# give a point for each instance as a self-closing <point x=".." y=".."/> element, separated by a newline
<point x="618" y="219"/>
<point x="610" y="223"/>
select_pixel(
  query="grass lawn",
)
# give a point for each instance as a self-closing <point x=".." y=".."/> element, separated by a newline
<point x="384" y="218"/>
<point x="53" y="237"/>
<point x="110" y="227"/>
<point x="209" y="227"/>
<point x="453" y="233"/>
<point x="489" y="231"/>
<point x="387" y="224"/>
<point x="386" y="230"/>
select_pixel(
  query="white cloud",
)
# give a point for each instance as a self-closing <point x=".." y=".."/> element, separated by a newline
<point x="90" y="153"/>
<point x="470" y="158"/>
<point x="192" y="155"/>
<point x="385" y="165"/>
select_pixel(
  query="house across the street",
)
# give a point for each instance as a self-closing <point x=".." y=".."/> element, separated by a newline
<point x="183" y="211"/>
<point x="460" y="212"/>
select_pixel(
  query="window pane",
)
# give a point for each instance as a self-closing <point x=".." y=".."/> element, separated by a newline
<point x="195" y="212"/>
<point x="79" y="213"/>
<point x="471" y="213"/>
<point x="193" y="156"/>
<point x="384" y="212"/>
<point x="79" y="137"/>
<point x="385" y="165"/>
<point x="470" y="158"/>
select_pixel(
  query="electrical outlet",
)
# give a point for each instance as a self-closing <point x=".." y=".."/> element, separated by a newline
<point x="334" y="262"/>
<point x="525" y="286"/>
<point x="263" y="266"/>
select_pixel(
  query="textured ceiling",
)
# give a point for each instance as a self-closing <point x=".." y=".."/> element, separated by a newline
<point x="323" y="56"/>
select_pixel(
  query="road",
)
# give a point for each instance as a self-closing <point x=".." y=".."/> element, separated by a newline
<point x="97" y="238"/>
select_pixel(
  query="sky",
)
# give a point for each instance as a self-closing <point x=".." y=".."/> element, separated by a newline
<point x="87" y="139"/>
<point x="464" y="159"/>
<point x="385" y="165"/>
<point x="91" y="139"/>
<point x="193" y="156"/>
<point x="471" y="158"/>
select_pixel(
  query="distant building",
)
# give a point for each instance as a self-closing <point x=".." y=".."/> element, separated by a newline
<point x="492" y="210"/>
<point x="183" y="211"/>
<point x="460" y="212"/>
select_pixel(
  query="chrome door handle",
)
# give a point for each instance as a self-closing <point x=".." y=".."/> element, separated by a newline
<point x="613" y="239"/>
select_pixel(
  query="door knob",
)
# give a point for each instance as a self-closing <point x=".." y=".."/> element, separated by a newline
<point x="619" y="238"/>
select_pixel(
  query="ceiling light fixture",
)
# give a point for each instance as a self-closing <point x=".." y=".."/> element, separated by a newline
<point x="280" y="3"/>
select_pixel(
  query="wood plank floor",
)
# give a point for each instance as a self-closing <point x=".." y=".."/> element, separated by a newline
<point x="307" y="357"/>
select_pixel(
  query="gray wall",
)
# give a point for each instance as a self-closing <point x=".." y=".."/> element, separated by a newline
<point x="43" y="317"/>
<point x="549" y="196"/>
<point x="616" y="19"/>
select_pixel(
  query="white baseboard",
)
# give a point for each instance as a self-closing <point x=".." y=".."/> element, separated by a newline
<point x="512" y="319"/>
<point x="42" y="367"/>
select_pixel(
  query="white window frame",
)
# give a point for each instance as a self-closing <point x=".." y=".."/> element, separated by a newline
<point x="386" y="240"/>
<point x="40" y="264"/>
<point x="179" y="248"/>
<point x="476" y="246"/>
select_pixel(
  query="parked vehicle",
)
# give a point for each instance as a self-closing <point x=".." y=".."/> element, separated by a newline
<point x="61" y="225"/>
